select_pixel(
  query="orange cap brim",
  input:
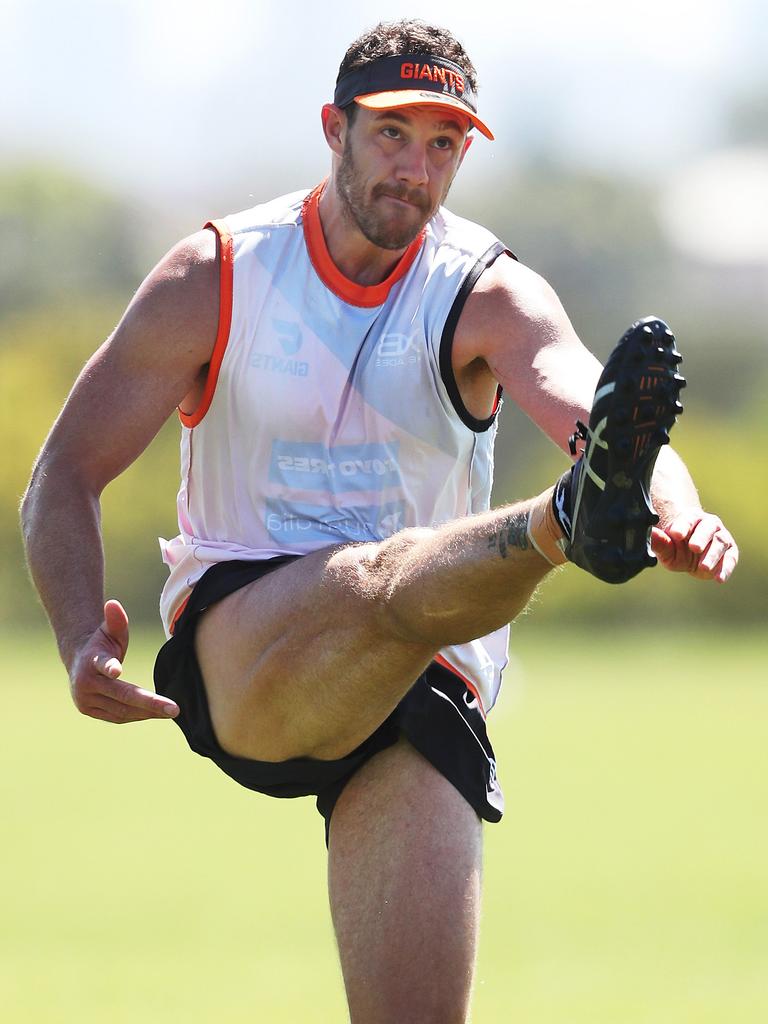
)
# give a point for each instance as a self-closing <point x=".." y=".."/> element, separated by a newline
<point x="412" y="97"/>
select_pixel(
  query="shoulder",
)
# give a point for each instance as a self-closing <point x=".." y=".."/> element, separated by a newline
<point x="512" y="287"/>
<point x="451" y="232"/>
<point x="175" y="310"/>
<point x="193" y="261"/>
<point x="187" y="273"/>
<point x="282" y="211"/>
<point x="510" y="302"/>
<point x="181" y="294"/>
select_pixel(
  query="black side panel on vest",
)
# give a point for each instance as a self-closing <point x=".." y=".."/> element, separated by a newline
<point x="446" y="342"/>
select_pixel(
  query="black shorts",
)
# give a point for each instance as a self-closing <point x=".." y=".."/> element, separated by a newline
<point x="438" y="716"/>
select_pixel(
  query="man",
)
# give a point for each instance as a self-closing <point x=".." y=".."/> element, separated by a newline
<point x="339" y="592"/>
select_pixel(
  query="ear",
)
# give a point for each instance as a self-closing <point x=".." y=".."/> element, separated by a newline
<point x="467" y="143"/>
<point x="334" y="127"/>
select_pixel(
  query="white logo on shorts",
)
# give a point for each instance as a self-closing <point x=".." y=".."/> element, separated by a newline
<point x="471" y="701"/>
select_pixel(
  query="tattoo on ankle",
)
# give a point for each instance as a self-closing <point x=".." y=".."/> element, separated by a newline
<point x="512" y="534"/>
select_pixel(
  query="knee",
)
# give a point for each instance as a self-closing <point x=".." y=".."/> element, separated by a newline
<point x="376" y="576"/>
<point x="373" y="571"/>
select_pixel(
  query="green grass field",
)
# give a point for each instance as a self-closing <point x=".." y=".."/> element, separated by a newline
<point x="627" y="884"/>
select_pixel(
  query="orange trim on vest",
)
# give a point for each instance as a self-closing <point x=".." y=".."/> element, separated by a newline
<point x="469" y="685"/>
<point x="178" y="614"/>
<point x="349" y="292"/>
<point x="226" y="284"/>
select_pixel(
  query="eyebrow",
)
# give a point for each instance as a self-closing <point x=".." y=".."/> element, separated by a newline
<point x="440" y="126"/>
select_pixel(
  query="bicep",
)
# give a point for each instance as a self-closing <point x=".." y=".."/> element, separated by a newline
<point x="555" y="386"/>
<point x="138" y="377"/>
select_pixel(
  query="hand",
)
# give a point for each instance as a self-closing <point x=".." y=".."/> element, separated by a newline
<point x="696" y="542"/>
<point x="96" y="687"/>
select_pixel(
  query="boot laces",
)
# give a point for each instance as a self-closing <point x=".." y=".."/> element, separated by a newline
<point x="580" y="434"/>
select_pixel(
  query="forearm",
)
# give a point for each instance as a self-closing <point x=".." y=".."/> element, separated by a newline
<point x="61" y="524"/>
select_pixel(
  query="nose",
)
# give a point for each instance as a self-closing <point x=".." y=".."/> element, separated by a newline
<point x="412" y="165"/>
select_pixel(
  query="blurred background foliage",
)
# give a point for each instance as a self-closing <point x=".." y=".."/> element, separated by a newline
<point x="71" y="254"/>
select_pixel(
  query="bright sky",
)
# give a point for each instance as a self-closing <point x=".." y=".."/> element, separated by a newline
<point x="175" y="99"/>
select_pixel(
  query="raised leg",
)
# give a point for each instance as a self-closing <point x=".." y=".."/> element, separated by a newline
<point x="404" y="873"/>
<point x="309" y="660"/>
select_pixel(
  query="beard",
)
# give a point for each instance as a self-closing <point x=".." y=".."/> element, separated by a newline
<point x="382" y="224"/>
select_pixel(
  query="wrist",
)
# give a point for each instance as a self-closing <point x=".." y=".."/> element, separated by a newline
<point x="71" y="646"/>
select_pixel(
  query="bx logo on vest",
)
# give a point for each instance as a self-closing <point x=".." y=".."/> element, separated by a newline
<point x="398" y="350"/>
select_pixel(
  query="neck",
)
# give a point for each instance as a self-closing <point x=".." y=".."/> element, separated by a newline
<point x="358" y="259"/>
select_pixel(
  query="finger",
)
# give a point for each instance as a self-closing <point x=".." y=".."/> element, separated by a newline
<point x="107" y="665"/>
<point x="686" y="560"/>
<point x="729" y="563"/>
<point x="704" y="533"/>
<point x="662" y="545"/>
<point x="713" y="555"/>
<point x="676" y="557"/>
<point x="114" y="711"/>
<point x="96" y="712"/>
<point x="116" y="623"/>
<point x="683" y="524"/>
<point x="116" y="714"/>
<point x="154" y="705"/>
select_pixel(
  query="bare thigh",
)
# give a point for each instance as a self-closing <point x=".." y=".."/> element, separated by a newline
<point x="310" y="660"/>
<point x="302" y="662"/>
<point x="404" y="872"/>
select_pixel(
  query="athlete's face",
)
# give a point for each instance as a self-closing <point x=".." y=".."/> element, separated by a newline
<point x="396" y="169"/>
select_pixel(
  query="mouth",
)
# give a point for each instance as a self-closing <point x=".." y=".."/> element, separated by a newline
<point x="402" y="201"/>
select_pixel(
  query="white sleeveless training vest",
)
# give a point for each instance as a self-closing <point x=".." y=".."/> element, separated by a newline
<point x="330" y="412"/>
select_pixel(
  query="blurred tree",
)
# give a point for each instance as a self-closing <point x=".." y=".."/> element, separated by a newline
<point x="41" y="354"/>
<point x="70" y="257"/>
<point x="747" y="119"/>
<point x="596" y="240"/>
<point x="59" y="235"/>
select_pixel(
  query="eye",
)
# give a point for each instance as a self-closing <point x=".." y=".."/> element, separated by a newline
<point x="444" y="142"/>
<point x="390" y="132"/>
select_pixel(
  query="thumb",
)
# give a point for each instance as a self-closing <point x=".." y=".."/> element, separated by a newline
<point x="662" y="545"/>
<point x="116" y="623"/>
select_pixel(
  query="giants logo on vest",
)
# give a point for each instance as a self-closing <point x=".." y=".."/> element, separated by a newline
<point x="290" y="338"/>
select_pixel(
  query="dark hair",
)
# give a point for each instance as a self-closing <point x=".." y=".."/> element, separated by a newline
<point x="410" y="35"/>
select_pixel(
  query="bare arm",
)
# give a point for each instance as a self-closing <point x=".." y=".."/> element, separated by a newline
<point x="514" y="331"/>
<point x="153" y="361"/>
